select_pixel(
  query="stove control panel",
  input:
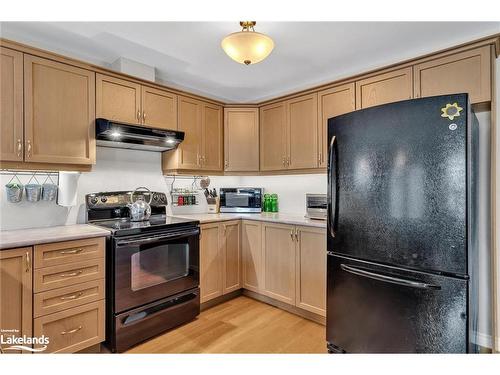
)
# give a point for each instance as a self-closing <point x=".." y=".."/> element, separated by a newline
<point x="122" y="198"/>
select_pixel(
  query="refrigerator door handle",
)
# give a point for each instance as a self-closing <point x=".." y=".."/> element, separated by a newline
<point x="388" y="279"/>
<point x="332" y="184"/>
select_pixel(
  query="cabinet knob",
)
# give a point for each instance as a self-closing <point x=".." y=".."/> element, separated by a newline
<point x="19" y="148"/>
<point x="28" y="262"/>
<point x="138" y="115"/>
<point x="28" y="149"/>
<point x="144" y="116"/>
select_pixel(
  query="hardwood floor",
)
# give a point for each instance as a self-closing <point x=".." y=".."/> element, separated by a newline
<point x="241" y="325"/>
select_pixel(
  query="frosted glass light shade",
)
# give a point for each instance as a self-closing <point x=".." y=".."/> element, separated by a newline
<point x="247" y="47"/>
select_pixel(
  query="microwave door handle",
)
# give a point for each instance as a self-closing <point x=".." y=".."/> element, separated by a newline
<point x="171" y="236"/>
<point x="388" y="279"/>
<point x="332" y="187"/>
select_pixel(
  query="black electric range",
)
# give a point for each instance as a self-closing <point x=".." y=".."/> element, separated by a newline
<point x="152" y="268"/>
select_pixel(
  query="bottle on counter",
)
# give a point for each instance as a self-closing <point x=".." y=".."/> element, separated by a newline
<point x="274" y="202"/>
<point x="266" y="206"/>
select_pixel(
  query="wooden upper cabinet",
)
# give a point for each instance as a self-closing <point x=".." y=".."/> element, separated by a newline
<point x="11" y="105"/>
<point x="241" y="139"/>
<point x="159" y="108"/>
<point x="59" y="112"/>
<point x="118" y="99"/>
<point x="468" y="71"/>
<point x="279" y="262"/>
<point x="212" y="142"/>
<point x="189" y="151"/>
<point x="302" y="132"/>
<point x="384" y="88"/>
<point x="211" y="263"/>
<point x="231" y="246"/>
<point x="332" y="102"/>
<point x="311" y="270"/>
<point x="273" y="150"/>
<point x="16" y="292"/>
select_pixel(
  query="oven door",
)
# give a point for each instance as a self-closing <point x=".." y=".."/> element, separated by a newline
<point x="152" y="267"/>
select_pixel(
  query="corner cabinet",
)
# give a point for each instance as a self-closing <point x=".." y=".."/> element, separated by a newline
<point x="241" y="139"/>
<point x="202" y="147"/>
<point x="57" y="102"/>
<point x="252" y="259"/>
<point x="16" y="311"/>
<point x="384" y="88"/>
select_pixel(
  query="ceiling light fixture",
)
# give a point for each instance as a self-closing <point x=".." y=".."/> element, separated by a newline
<point x="247" y="46"/>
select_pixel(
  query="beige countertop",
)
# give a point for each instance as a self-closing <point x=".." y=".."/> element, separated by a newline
<point x="27" y="237"/>
<point x="279" y="217"/>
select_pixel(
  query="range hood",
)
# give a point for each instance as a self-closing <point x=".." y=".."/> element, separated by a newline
<point x="138" y="137"/>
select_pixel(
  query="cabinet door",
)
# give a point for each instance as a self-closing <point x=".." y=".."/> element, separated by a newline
<point x="118" y="99"/>
<point x="210" y="263"/>
<point x="241" y="139"/>
<point x="468" y="71"/>
<point x="273" y="137"/>
<point x="311" y="270"/>
<point x="59" y="112"/>
<point x="11" y="105"/>
<point x="231" y="238"/>
<point x="159" y="108"/>
<point x="332" y="102"/>
<point x="279" y="262"/>
<point x="251" y="248"/>
<point x="384" y="88"/>
<point x="212" y="137"/>
<point x="16" y="293"/>
<point x="302" y="134"/>
<point x="189" y="151"/>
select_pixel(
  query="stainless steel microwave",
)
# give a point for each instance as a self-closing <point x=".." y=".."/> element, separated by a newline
<point x="241" y="200"/>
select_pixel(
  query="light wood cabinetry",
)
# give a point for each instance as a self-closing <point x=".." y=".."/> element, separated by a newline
<point x="252" y="262"/>
<point x="212" y="140"/>
<point x="468" y="71"/>
<point x="11" y="105"/>
<point x="126" y="101"/>
<point x="279" y="262"/>
<point x="273" y="150"/>
<point x="311" y="269"/>
<point x="159" y="108"/>
<point x="384" y="88"/>
<point x="16" y="292"/>
<point x="332" y="102"/>
<point x="211" y="263"/>
<point x="231" y="253"/>
<point x="59" y="112"/>
<point x="302" y="132"/>
<point x="241" y="139"/>
<point x="202" y="147"/>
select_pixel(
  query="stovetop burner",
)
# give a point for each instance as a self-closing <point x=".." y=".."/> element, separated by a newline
<point x="157" y="222"/>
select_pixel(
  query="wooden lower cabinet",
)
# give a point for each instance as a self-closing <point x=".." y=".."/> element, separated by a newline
<point x="231" y="254"/>
<point x="16" y="293"/>
<point x="279" y="262"/>
<point x="251" y="248"/>
<point x="310" y="291"/>
<point x="211" y="263"/>
<point x="74" y="329"/>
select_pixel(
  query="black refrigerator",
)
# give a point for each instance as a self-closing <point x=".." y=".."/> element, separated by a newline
<point x="402" y="228"/>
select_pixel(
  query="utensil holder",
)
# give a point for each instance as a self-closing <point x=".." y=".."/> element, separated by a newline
<point x="33" y="192"/>
<point x="49" y="192"/>
<point x="14" y="192"/>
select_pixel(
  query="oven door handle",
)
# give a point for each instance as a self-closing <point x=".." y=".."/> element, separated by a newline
<point x="169" y="236"/>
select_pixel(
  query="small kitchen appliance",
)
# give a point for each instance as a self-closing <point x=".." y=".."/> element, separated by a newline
<point x="316" y="206"/>
<point x="152" y="267"/>
<point x="243" y="200"/>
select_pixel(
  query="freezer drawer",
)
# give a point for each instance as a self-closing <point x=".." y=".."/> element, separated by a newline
<point x="381" y="309"/>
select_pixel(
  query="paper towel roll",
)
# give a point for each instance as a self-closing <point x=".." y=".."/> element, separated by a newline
<point x="68" y="186"/>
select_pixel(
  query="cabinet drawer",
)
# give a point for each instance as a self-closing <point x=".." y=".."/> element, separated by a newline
<point x="54" y="254"/>
<point x="64" y="298"/>
<point x="72" y="330"/>
<point x="68" y="274"/>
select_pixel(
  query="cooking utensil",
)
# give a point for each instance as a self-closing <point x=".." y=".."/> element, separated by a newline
<point x="140" y="210"/>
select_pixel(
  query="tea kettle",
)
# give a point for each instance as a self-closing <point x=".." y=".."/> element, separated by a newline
<point x="140" y="210"/>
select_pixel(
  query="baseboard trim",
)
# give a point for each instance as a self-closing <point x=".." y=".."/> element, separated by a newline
<point x="218" y="300"/>
<point x="284" y="306"/>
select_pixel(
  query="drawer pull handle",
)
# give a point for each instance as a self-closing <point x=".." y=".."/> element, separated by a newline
<point x="76" y="251"/>
<point x="71" y="330"/>
<point x="71" y="274"/>
<point x="73" y="296"/>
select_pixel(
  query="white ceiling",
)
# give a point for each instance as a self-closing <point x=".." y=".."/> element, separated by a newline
<point x="188" y="55"/>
